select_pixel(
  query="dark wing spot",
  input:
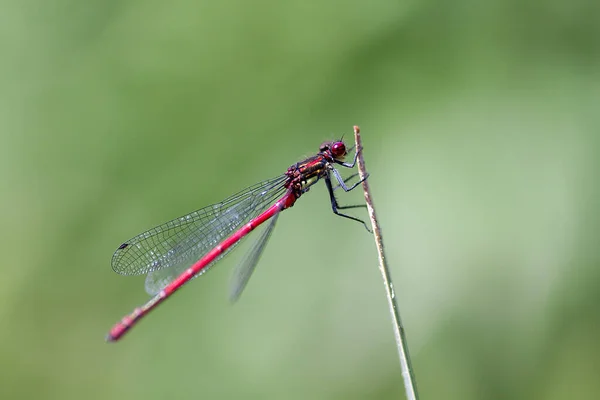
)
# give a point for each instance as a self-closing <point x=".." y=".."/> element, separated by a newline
<point x="121" y="247"/>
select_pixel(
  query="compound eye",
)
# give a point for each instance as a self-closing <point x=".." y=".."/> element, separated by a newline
<point x="338" y="149"/>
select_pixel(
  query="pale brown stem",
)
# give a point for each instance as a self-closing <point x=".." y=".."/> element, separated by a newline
<point x="410" y="383"/>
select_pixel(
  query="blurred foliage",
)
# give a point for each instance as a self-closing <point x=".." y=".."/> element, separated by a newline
<point x="481" y="129"/>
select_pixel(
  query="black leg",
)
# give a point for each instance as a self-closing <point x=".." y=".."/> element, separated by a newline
<point x="354" y="175"/>
<point x="349" y="165"/>
<point x="335" y="206"/>
<point x="351" y="206"/>
<point x="342" y="183"/>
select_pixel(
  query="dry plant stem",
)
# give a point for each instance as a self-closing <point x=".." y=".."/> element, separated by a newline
<point x="410" y="383"/>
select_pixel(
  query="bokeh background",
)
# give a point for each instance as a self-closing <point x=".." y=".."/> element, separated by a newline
<point x="481" y="130"/>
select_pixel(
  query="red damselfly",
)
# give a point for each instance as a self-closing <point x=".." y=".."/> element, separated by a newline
<point x="175" y="252"/>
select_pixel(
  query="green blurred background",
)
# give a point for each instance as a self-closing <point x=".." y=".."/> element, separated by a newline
<point x="481" y="130"/>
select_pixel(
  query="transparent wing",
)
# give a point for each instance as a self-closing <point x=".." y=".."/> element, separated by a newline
<point x="176" y="244"/>
<point x="244" y="270"/>
<point x="157" y="280"/>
